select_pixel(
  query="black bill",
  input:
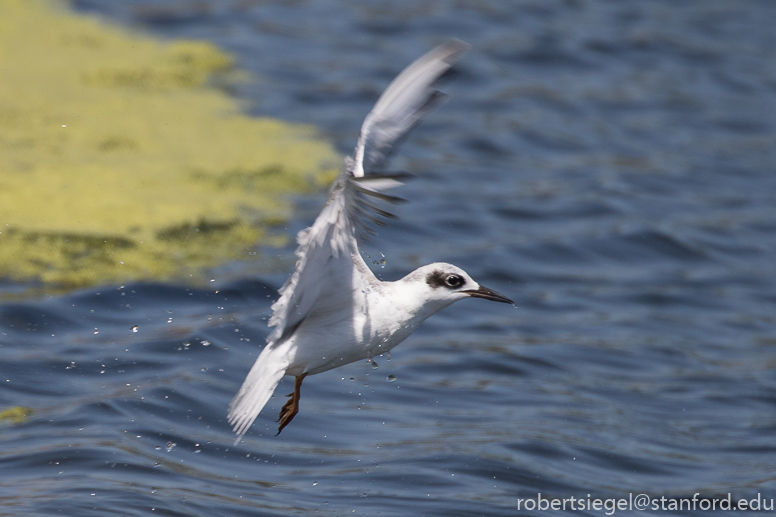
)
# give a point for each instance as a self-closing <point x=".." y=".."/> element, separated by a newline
<point x="488" y="294"/>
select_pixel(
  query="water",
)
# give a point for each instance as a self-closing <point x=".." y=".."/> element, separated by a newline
<point x="608" y="165"/>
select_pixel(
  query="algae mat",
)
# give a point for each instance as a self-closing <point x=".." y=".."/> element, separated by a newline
<point x="120" y="159"/>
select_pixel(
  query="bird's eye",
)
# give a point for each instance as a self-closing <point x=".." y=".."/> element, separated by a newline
<point x="453" y="281"/>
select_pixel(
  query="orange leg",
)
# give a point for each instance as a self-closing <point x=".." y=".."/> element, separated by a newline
<point x="291" y="407"/>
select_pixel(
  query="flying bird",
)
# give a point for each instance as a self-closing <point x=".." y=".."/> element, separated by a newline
<point x="333" y="310"/>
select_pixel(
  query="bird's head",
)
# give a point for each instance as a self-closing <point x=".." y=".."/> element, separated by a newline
<point x="441" y="284"/>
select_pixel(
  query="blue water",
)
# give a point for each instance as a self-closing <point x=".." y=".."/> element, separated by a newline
<point x="611" y="166"/>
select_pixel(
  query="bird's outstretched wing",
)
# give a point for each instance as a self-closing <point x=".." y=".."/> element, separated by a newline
<point x="329" y="268"/>
<point x="327" y="250"/>
<point x="407" y="99"/>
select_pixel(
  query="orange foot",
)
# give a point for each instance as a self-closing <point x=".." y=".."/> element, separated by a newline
<point x="291" y="407"/>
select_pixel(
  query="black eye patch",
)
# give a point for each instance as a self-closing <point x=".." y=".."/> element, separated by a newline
<point x="449" y="280"/>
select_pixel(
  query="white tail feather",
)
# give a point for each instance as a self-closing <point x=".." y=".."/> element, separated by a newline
<point x="257" y="388"/>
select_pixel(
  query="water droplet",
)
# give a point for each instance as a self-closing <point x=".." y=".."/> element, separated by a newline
<point x="205" y="342"/>
<point x="171" y="446"/>
<point x="134" y="328"/>
<point x="388" y="356"/>
<point x="391" y="378"/>
<point x="375" y="365"/>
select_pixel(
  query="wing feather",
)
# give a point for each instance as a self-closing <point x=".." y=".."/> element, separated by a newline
<point x="407" y="99"/>
<point x="324" y="265"/>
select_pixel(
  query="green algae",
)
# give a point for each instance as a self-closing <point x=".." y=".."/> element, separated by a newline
<point x="120" y="160"/>
<point x="15" y="415"/>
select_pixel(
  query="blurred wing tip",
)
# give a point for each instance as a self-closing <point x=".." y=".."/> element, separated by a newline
<point x="454" y="48"/>
<point x="379" y="195"/>
<point x="383" y="181"/>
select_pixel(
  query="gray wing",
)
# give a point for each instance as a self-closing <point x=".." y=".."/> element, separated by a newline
<point x="329" y="266"/>
<point x="407" y="99"/>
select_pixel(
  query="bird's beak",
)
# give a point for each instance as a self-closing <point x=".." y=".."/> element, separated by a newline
<point x="488" y="294"/>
